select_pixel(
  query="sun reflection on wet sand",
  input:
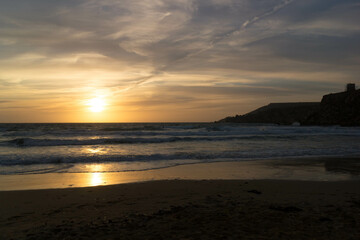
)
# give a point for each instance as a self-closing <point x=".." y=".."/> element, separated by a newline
<point x="96" y="179"/>
<point x="96" y="176"/>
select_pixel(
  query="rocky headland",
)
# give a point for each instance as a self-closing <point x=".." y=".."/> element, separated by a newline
<point x="334" y="109"/>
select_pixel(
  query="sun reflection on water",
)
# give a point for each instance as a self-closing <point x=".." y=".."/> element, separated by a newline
<point x="95" y="150"/>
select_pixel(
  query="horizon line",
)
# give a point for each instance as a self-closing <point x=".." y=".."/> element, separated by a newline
<point x="95" y="122"/>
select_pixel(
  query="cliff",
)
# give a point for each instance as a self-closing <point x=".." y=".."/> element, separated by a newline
<point x="277" y="113"/>
<point x="335" y="109"/>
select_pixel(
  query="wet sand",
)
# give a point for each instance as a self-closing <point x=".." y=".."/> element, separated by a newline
<point x="180" y="209"/>
<point x="305" y="199"/>
<point x="309" y="169"/>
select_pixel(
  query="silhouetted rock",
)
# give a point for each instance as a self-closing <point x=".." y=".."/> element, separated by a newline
<point x="278" y="113"/>
<point x="338" y="109"/>
<point x="335" y="109"/>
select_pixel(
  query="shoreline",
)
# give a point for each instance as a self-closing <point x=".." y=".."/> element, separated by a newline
<point x="304" y="169"/>
<point x="265" y="199"/>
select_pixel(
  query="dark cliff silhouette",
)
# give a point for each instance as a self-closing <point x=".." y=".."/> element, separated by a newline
<point x="338" y="109"/>
<point x="334" y="109"/>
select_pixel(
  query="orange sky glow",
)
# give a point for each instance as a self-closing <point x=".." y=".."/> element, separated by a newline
<point x="170" y="61"/>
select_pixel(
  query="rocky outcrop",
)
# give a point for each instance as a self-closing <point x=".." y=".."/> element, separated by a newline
<point x="335" y="109"/>
<point x="338" y="109"/>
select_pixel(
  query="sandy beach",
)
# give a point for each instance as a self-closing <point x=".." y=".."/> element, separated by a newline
<point x="189" y="209"/>
<point x="219" y="209"/>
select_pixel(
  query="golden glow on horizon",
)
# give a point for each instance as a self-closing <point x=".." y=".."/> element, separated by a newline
<point x="96" y="104"/>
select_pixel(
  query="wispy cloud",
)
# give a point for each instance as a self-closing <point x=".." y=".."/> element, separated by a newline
<point x="232" y="52"/>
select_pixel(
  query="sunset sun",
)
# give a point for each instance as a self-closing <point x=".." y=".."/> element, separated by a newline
<point x="96" y="104"/>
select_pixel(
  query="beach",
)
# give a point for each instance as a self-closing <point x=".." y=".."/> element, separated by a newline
<point x="179" y="209"/>
<point x="258" y="208"/>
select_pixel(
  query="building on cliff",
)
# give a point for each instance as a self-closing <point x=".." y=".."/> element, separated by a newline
<point x="350" y="87"/>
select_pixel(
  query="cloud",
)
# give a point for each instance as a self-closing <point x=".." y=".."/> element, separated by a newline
<point x="332" y="50"/>
<point x="229" y="49"/>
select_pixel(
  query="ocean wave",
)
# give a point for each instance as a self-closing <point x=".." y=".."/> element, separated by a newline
<point x="37" y="142"/>
<point x="185" y="130"/>
<point x="66" y="158"/>
<point x="41" y="148"/>
<point x="143" y="128"/>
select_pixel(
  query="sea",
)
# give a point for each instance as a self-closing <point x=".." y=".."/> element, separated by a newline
<point x="120" y="147"/>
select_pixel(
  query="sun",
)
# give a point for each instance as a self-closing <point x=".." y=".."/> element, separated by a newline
<point x="96" y="104"/>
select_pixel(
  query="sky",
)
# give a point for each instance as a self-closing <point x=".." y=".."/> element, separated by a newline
<point x="171" y="60"/>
